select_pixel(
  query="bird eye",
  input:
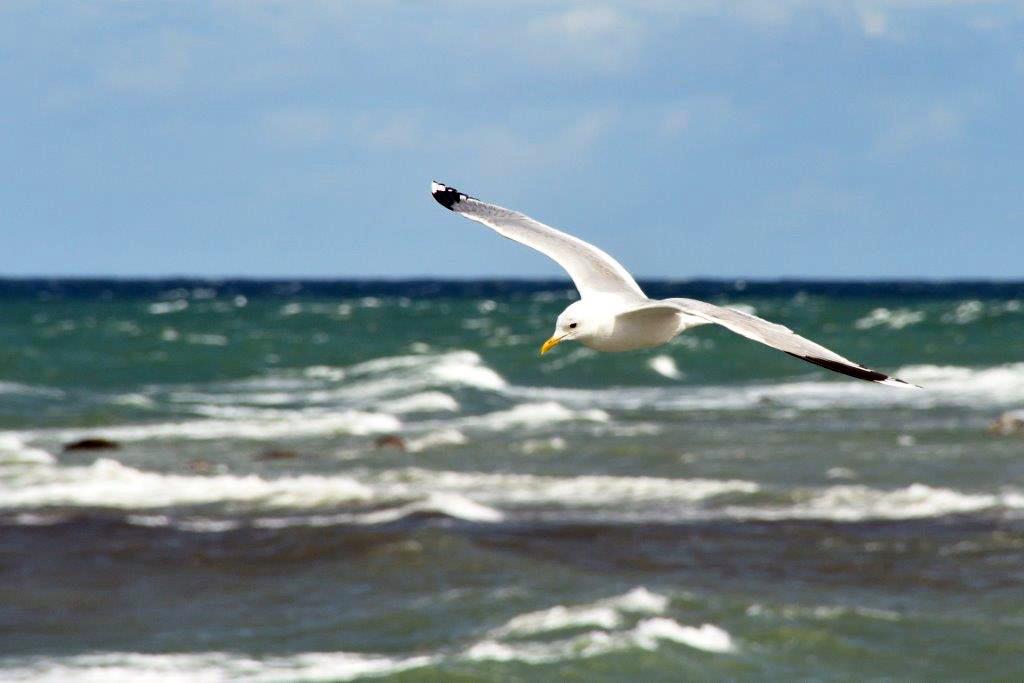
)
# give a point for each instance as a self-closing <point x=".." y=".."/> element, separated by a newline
<point x="572" y="326"/>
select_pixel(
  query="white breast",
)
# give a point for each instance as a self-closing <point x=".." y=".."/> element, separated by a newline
<point x="638" y="331"/>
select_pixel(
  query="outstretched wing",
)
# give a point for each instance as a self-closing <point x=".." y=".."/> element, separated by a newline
<point x="775" y="336"/>
<point x="591" y="270"/>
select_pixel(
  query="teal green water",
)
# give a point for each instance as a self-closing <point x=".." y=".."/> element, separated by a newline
<point x="709" y="510"/>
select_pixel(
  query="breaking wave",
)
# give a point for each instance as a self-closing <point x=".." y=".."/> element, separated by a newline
<point x="606" y="614"/>
<point x="109" y="484"/>
<point x="14" y="451"/>
<point x="209" y="667"/>
<point x="943" y="386"/>
<point x="614" y="627"/>
<point x="858" y="503"/>
<point x="630" y="621"/>
<point x="480" y="497"/>
<point x="261" y="425"/>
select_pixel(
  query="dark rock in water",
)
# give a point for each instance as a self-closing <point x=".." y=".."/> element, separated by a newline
<point x="277" y="454"/>
<point x="93" y="444"/>
<point x="1008" y="423"/>
<point x="390" y="441"/>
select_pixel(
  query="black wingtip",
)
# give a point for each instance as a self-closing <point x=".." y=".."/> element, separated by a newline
<point x="445" y="196"/>
<point x="857" y="371"/>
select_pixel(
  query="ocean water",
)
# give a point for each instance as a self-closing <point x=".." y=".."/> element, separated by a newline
<point x="709" y="510"/>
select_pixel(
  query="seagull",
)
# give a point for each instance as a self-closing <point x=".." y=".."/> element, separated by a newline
<point x="613" y="313"/>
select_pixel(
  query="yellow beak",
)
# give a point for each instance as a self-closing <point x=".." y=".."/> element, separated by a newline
<point x="551" y="343"/>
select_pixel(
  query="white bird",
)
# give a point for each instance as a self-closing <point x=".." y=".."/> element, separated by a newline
<point x="613" y="313"/>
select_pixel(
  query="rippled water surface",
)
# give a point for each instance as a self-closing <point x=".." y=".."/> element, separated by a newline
<point x="329" y="481"/>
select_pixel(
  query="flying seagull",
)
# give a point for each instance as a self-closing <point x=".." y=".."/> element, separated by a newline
<point x="613" y="313"/>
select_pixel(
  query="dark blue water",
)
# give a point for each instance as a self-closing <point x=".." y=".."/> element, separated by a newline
<point x="332" y="480"/>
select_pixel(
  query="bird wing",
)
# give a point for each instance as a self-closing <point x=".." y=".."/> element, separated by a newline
<point x="773" y="335"/>
<point x="591" y="270"/>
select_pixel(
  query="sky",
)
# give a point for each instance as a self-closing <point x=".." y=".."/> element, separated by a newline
<point x="755" y="139"/>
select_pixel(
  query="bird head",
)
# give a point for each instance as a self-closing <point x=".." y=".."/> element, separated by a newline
<point x="573" y="323"/>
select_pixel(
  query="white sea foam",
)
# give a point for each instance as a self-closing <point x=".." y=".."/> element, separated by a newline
<point x="108" y="483"/>
<point x="580" y="647"/>
<point x="32" y="479"/>
<point x="840" y="473"/>
<point x="208" y="667"/>
<point x="704" y="637"/>
<point x="969" y="386"/>
<point x="648" y="635"/>
<point x="442" y="437"/>
<point x="894" y="319"/>
<point x="665" y="366"/>
<point x="134" y="400"/>
<point x="397" y="375"/>
<point x="450" y="505"/>
<point x="392" y="380"/>
<point x="826" y="612"/>
<point x="646" y="497"/>
<point x="640" y="600"/>
<point x="460" y="367"/>
<point x="165" y="307"/>
<point x="965" y="313"/>
<point x="324" y="372"/>
<point x="983" y="387"/>
<point x="206" y="339"/>
<point x="194" y="524"/>
<point x="447" y="504"/>
<point x="555" y="443"/>
<point x="606" y="614"/>
<point x="250" y="424"/>
<point x="473" y="496"/>
<point x="425" y="402"/>
<point x="528" y="489"/>
<point x="471" y="374"/>
<point x="559" y="618"/>
<point x="856" y="503"/>
<point x="529" y="415"/>
<point x="14" y="451"/>
<point x="29" y="390"/>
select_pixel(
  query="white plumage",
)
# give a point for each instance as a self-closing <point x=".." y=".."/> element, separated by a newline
<point x="613" y="314"/>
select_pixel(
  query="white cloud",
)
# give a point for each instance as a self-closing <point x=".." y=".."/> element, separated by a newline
<point x="675" y="121"/>
<point x="307" y="126"/>
<point x="872" y="17"/>
<point x="157" y="66"/>
<point x="911" y="127"/>
<point x="296" y="23"/>
<point x="503" y="146"/>
<point x="581" y="23"/>
<point x="388" y="130"/>
<point x="873" y="22"/>
<point x="704" y="113"/>
<point x="298" y="126"/>
<point x="598" y="37"/>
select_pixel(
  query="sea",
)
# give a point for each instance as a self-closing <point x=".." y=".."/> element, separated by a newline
<point x="348" y="480"/>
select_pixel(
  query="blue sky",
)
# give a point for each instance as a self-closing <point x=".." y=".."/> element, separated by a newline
<point x="727" y="139"/>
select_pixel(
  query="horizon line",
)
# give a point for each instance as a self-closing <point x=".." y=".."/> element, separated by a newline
<point x="398" y="279"/>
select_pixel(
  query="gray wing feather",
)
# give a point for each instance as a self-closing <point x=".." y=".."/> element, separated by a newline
<point x="778" y="337"/>
<point x="592" y="270"/>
